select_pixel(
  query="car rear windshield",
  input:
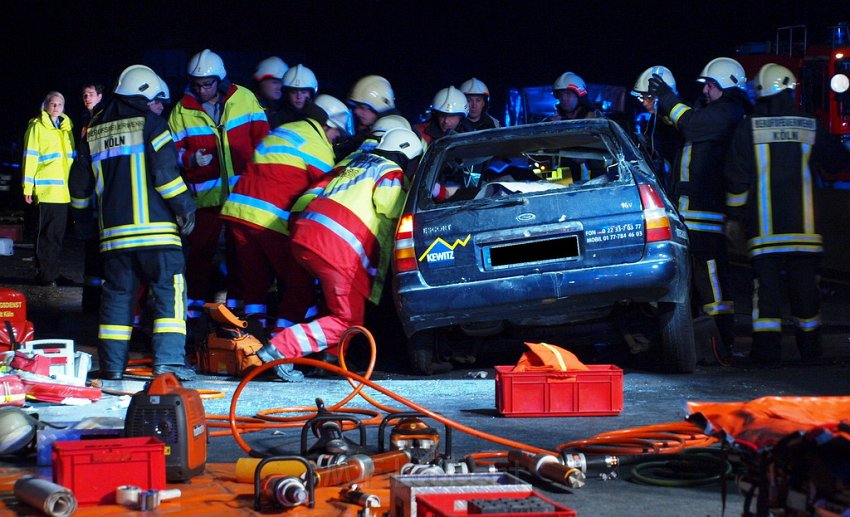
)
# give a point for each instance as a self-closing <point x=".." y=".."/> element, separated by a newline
<point x="526" y="164"/>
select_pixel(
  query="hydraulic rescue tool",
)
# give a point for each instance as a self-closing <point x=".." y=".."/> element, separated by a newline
<point x="547" y="466"/>
<point x="175" y="415"/>
<point x="285" y="490"/>
<point x="413" y="435"/>
<point x="361" y="467"/>
<point x="328" y="428"/>
<point x="354" y="494"/>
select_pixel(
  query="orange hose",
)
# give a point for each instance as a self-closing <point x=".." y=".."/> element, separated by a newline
<point x="668" y="438"/>
<point x="264" y="419"/>
<point x="377" y="387"/>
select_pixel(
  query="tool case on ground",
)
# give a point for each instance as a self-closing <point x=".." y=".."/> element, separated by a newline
<point x="228" y="348"/>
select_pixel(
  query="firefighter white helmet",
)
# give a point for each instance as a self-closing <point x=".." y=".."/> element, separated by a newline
<point x="206" y="63"/>
<point x="339" y="116"/>
<point x="726" y="72"/>
<point x="773" y="78"/>
<point x="299" y="76"/>
<point x="642" y="83"/>
<point x="139" y="80"/>
<point x="165" y="96"/>
<point x="474" y="87"/>
<point x="17" y="430"/>
<point x="450" y="101"/>
<point x="273" y="67"/>
<point x="401" y="140"/>
<point x="374" y="91"/>
<point x="387" y="122"/>
<point x="572" y="82"/>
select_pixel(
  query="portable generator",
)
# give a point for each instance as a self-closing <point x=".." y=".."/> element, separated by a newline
<point x="174" y="414"/>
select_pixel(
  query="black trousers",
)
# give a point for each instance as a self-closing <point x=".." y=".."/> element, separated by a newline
<point x="52" y="222"/>
<point x="791" y="275"/>
<point x="711" y="283"/>
<point x="123" y="271"/>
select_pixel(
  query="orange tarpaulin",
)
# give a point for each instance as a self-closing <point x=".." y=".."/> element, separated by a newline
<point x="762" y="422"/>
<point x="543" y="357"/>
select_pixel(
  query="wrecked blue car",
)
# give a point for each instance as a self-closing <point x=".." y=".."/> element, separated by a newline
<point x="544" y="224"/>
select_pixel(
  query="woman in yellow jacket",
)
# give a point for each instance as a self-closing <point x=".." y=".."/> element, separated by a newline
<point x="48" y="155"/>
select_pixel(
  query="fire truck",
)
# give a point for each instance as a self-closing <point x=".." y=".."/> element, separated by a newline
<point x="822" y="69"/>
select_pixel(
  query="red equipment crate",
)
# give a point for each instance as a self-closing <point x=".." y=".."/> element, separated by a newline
<point x="93" y="469"/>
<point x="457" y="504"/>
<point x="594" y="392"/>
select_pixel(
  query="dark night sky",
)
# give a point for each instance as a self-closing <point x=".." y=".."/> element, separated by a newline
<point x="419" y="46"/>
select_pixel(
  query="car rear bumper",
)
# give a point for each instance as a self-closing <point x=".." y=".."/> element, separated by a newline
<point x="662" y="275"/>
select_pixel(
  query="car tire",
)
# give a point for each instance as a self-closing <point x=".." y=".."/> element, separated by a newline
<point x="678" y="346"/>
<point x="422" y="348"/>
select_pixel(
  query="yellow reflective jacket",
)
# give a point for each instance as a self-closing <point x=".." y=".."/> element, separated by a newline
<point x="48" y="155"/>
<point x="352" y="221"/>
<point x="290" y="159"/>
<point x="232" y="141"/>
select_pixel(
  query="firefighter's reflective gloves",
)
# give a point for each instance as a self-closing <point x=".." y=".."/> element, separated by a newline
<point x="286" y="371"/>
<point x="186" y="223"/>
<point x="657" y="86"/>
<point x="199" y="159"/>
<point x="179" y="371"/>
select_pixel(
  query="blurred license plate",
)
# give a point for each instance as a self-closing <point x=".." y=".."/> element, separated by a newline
<point x="547" y="250"/>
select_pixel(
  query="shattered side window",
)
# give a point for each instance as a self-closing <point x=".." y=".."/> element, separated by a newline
<point x="529" y="165"/>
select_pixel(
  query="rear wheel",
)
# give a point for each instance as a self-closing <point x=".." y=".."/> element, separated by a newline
<point x="678" y="348"/>
<point x="422" y="351"/>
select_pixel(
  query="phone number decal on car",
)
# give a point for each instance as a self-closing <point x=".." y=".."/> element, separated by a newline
<point x="441" y="253"/>
<point x="614" y="232"/>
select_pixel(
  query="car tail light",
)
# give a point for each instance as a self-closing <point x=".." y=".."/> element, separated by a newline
<point x="654" y="215"/>
<point x="405" y="257"/>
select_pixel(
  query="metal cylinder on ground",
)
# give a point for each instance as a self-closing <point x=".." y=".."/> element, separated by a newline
<point x="52" y="499"/>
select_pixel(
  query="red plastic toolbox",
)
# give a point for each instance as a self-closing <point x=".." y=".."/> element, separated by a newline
<point x="595" y="392"/>
<point x="93" y="469"/>
<point x="457" y="504"/>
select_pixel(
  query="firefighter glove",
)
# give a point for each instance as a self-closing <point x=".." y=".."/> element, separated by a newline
<point x="657" y="86"/>
<point x="186" y="223"/>
<point x="199" y="159"/>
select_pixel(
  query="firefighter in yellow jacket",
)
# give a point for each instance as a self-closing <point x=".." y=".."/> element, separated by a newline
<point x="344" y="239"/>
<point x="291" y="158"/>
<point x="48" y="155"/>
<point x="216" y="126"/>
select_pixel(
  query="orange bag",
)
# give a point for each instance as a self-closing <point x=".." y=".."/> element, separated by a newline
<point x="543" y="357"/>
<point x="228" y="348"/>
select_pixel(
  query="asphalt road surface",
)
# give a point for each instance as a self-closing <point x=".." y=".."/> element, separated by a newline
<point x="467" y="394"/>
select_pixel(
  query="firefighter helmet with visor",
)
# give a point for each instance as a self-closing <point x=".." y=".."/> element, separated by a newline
<point x="270" y="67"/>
<point x="450" y="101"/>
<point x="773" y="78"/>
<point x="206" y="63"/>
<point x="299" y="76"/>
<point x="401" y="140"/>
<point x="726" y="72"/>
<point x="375" y="92"/>
<point x="572" y="82"/>
<point x="139" y="80"/>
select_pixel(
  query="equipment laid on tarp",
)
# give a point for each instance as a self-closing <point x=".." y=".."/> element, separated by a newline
<point x="795" y="451"/>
